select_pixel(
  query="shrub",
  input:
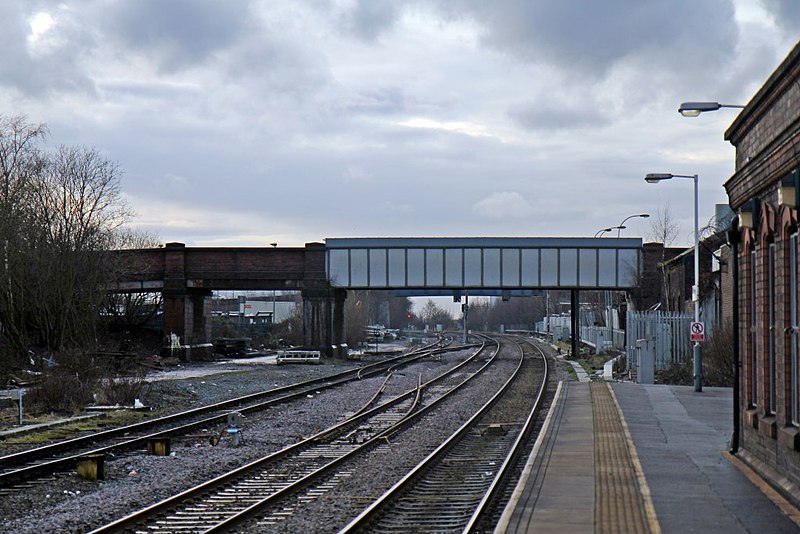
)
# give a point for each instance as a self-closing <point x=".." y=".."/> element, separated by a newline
<point x="69" y="385"/>
<point x="676" y="374"/>
<point x="121" y="390"/>
<point x="61" y="390"/>
<point x="718" y="356"/>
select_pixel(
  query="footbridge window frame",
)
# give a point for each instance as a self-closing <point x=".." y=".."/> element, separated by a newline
<point x="498" y="263"/>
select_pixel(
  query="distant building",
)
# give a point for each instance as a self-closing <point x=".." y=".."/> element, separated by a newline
<point x="255" y="311"/>
<point x="716" y="305"/>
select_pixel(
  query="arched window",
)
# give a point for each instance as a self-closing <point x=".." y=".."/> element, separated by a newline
<point x="751" y="375"/>
<point x="794" y="394"/>
<point x="770" y="386"/>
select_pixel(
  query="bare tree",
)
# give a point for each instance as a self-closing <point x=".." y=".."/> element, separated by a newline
<point x="663" y="227"/>
<point x="77" y="203"/>
<point x="433" y="315"/>
<point x="20" y="163"/>
<point x="58" y="214"/>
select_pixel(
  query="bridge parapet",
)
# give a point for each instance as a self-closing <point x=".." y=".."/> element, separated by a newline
<point x="186" y="277"/>
<point x="221" y="268"/>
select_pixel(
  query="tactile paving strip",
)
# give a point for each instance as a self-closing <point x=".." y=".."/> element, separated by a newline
<point x="619" y="504"/>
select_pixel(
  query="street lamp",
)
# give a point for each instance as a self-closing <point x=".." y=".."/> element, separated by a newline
<point x="697" y="355"/>
<point x="621" y="225"/>
<point x="602" y="231"/>
<point x="693" y="109"/>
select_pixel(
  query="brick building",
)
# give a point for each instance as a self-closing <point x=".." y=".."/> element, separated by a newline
<point x="716" y="280"/>
<point x="650" y="292"/>
<point x="764" y="191"/>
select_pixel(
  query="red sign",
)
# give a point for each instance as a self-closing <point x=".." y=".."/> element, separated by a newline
<point x="697" y="332"/>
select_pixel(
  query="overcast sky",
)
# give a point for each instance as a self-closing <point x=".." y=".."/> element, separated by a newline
<point x="242" y="123"/>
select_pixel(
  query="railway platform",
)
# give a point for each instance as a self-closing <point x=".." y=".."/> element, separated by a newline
<point x="626" y="457"/>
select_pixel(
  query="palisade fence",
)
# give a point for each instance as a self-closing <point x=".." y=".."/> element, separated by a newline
<point x="669" y="332"/>
<point x="603" y="338"/>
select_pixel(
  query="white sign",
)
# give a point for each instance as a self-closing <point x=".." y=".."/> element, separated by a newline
<point x="697" y="332"/>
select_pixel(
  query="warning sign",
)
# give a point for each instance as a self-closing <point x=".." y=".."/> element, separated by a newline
<point x="697" y="332"/>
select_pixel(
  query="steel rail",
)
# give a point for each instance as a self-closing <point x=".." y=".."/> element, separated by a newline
<point x="366" y="520"/>
<point x="504" y="472"/>
<point x="172" y="503"/>
<point x="11" y="476"/>
<point x="256" y="508"/>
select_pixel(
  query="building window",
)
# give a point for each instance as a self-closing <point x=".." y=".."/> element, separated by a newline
<point x="794" y="395"/>
<point x="771" y="329"/>
<point x="751" y="378"/>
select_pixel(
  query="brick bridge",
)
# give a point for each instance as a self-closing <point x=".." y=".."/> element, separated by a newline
<point x="187" y="276"/>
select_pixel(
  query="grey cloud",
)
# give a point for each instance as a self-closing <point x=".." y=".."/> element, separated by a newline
<point x="550" y="114"/>
<point x="588" y="37"/>
<point x="55" y="69"/>
<point x="177" y="33"/>
<point x="785" y="12"/>
<point x="271" y="62"/>
<point x="369" y="18"/>
<point x="380" y="101"/>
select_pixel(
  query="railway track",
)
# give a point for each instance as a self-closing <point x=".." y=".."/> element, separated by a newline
<point x="454" y="489"/>
<point x="17" y="470"/>
<point x="305" y="468"/>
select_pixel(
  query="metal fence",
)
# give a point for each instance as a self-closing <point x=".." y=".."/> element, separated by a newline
<point x="608" y="338"/>
<point x="668" y="330"/>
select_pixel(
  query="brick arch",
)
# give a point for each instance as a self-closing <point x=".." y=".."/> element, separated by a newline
<point x="766" y="224"/>
<point x="748" y="236"/>
<point x="787" y="221"/>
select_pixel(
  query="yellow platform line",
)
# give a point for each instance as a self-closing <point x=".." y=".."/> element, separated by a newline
<point x="623" y="501"/>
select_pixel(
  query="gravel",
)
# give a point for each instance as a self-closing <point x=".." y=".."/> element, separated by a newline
<point x="373" y="474"/>
<point x="70" y="504"/>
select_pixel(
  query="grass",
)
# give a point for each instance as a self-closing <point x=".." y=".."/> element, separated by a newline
<point x="592" y="362"/>
<point x="71" y="429"/>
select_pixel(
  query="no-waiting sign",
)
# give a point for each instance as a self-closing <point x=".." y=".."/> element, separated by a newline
<point x="697" y="332"/>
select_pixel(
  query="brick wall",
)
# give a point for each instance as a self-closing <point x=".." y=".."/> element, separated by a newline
<point x="223" y="268"/>
<point x="650" y="289"/>
<point x="767" y="139"/>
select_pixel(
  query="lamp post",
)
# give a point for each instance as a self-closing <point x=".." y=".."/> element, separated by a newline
<point x="693" y="109"/>
<point x="274" y="245"/>
<point x="621" y="225"/>
<point x="696" y="352"/>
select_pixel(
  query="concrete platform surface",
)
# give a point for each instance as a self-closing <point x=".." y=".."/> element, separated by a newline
<point x="639" y="458"/>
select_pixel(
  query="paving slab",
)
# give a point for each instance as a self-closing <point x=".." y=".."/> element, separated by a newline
<point x="558" y="494"/>
<point x="681" y="438"/>
<point x="653" y="460"/>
